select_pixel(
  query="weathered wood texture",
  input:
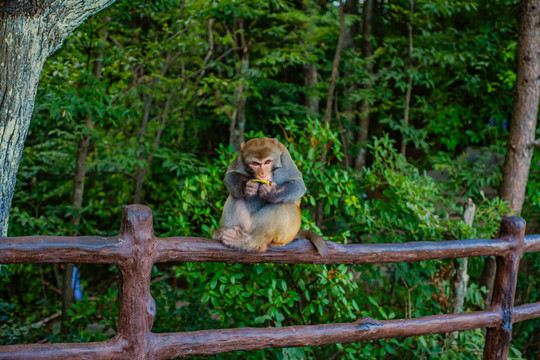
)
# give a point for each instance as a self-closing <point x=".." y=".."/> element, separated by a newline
<point x="136" y="249"/>
<point x="504" y="289"/>
<point x="111" y="250"/>
<point x="303" y="252"/>
<point x="526" y="312"/>
<point x="111" y="349"/>
<point x="532" y="243"/>
<point x="210" y="342"/>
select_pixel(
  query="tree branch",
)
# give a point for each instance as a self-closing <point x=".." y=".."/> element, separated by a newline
<point x="67" y="15"/>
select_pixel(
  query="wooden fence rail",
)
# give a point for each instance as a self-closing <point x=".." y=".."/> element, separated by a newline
<point x="136" y="250"/>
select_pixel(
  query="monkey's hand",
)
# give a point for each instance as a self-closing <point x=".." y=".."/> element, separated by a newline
<point x="269" y="192"/>
<point x="251" y="188"/>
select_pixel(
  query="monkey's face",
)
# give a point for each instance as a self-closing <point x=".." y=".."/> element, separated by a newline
<point x="260" y="157"/>
<point x="262" y="168"/>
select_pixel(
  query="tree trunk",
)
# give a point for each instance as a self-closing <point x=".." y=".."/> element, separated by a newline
<point x="365" y="107"/>
<point x="350" y="113"/>
<point x="460" y="278"/>
<point x="82" y="150"/>
<point x="330" y="96"/>
<point x="78" y="192"/>
<point x="143" y="170"/>
<point x="521" y="142"/>
<point x="238" y="120"/>
<point x="30" y="32"/>
<point x="311" y="74"/>
<point x="238" y="116"/>
<point x="148" y="99"/>
<point x="487" y="278"/>
<point x="312" y="97"/>
<point x="335" y="64"/>
<point x="522" y="128"/>
<point x="409" y="82"/>
<point x="139" y="173"/>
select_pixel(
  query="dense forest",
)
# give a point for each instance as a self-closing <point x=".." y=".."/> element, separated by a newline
<point x="396" y="113"/>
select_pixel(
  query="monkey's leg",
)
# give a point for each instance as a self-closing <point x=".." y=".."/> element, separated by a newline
<point x="273" y="225"/>
<point x="235" y="221"/>
<point x="236" y="212"/>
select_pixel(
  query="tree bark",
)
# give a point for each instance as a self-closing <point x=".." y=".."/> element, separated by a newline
<point x="520" y="147"/>
<point x="30" y="32"/>
<point x="365" y="107"/>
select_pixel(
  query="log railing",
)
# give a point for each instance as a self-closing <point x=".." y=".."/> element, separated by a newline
<point x="136" y="250"/>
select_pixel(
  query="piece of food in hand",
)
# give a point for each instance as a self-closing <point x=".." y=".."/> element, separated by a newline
<point x="262" y="181"/>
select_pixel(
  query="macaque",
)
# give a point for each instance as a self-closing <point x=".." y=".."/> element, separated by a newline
<point x="262" y="209"/>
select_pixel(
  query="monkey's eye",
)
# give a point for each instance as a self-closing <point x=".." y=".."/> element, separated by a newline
<point x="268" y="162"/>
<point x="254" y="163"/>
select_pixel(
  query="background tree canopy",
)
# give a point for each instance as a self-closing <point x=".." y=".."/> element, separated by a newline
<point x="396" y="112"/>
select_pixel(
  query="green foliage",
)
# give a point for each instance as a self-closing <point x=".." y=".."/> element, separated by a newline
<point x="402" y="205"/>
<point x="199" y="199"/>
<point x="173" y="75"/>
<point x="93" y="320"/>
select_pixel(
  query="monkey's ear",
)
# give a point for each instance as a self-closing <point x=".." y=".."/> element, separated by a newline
<point x="277" y="162"/>
<point x="237" y="165"/>
<point x="242" y="145"/>
<point x="276" y="141"/>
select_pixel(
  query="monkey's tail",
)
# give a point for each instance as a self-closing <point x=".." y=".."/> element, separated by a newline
<point x="315" y="239"/>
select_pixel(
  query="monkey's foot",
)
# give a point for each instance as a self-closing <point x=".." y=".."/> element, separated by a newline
<point x="218" y="233"/>
<point x="234" y="236"/>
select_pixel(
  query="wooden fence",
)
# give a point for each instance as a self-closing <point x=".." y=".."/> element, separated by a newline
<point x="136" y="250"/>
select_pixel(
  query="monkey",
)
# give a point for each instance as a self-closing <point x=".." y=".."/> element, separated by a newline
<point x="262" y="209"/>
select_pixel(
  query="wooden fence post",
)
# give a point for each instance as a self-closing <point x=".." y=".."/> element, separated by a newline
<point x="499" y="337"/>
<point x="137" y="308"/>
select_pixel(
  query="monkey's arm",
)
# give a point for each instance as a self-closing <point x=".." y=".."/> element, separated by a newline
<point x="288" y="192"/>
<point x="236" y="183"/>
